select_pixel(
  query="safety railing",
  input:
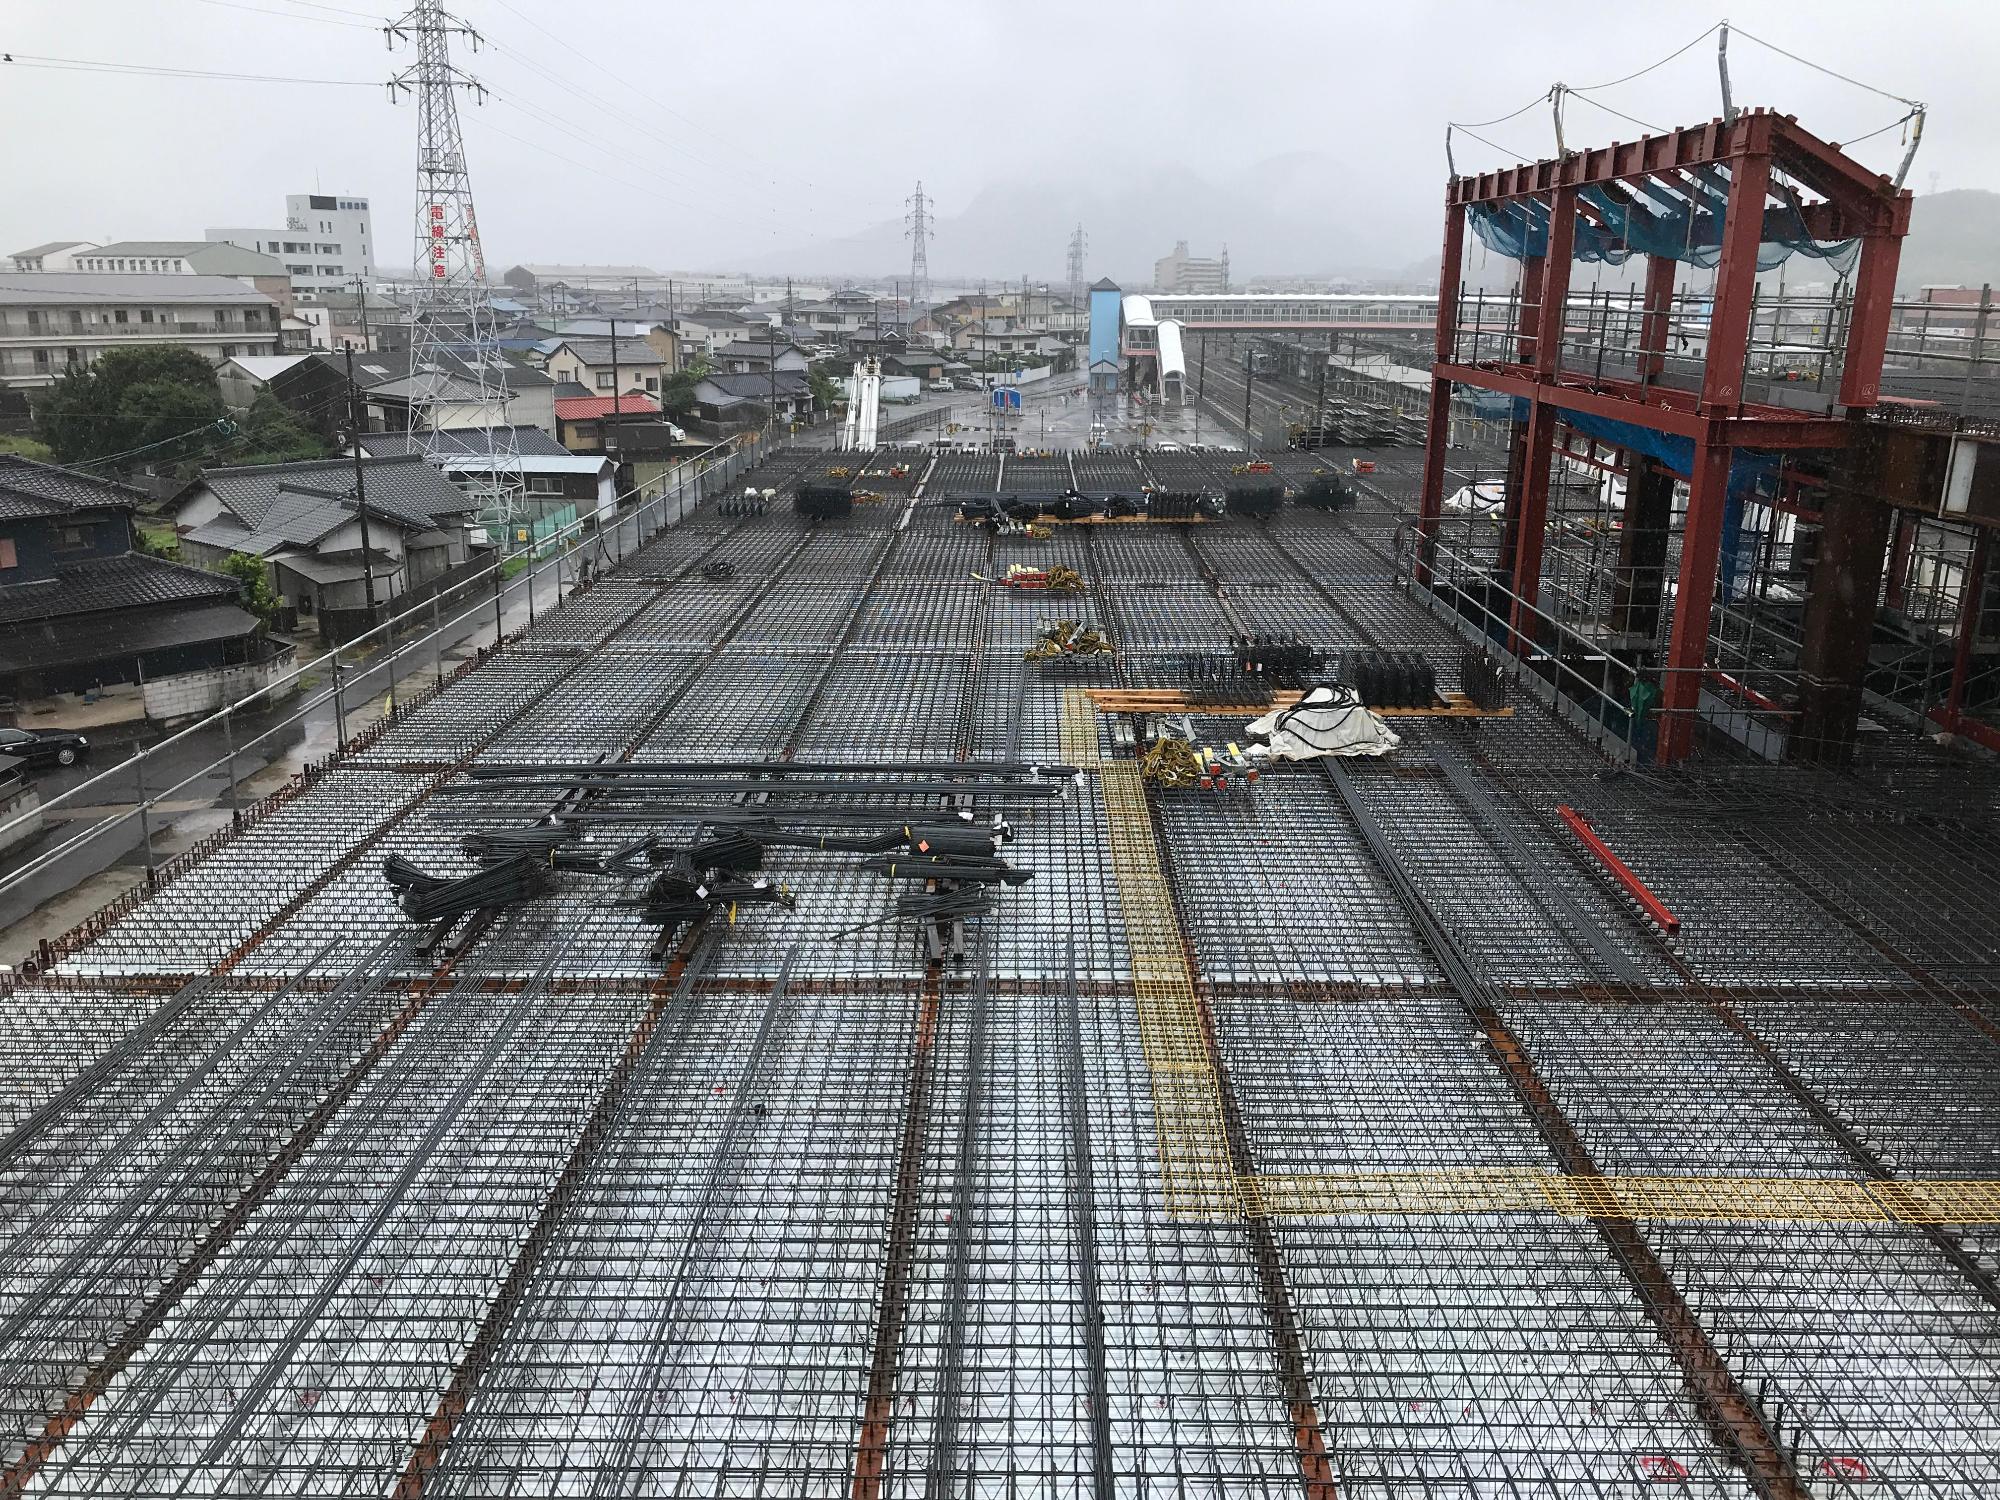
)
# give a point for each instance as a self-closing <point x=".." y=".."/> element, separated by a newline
<point x="397" y="664"/>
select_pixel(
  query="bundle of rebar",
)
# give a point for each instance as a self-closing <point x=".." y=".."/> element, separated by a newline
<point x="428" y="898"/>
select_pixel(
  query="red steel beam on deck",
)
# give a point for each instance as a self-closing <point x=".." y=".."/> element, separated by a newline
<point x="1655" y="909"/>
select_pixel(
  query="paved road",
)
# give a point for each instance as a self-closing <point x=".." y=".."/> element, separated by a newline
<point x="270" y="745"/>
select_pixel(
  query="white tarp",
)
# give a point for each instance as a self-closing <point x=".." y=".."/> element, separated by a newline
<point x="1487" y="498"/>
<point x="1327" y="721"/>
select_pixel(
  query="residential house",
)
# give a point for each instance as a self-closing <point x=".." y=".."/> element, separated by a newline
<point x="581" y="418"/>
<point x="79" y="607"/>
<point x="53" y="320"/>
<point x="665" y="343"/>
<point x="923" y="363"/>
<point x="244" y="377"/>
<point x="703" y="333"/>
<point x="607" y="366"/>
<point x="1002" y="343"/>
<point x="302" y="520"/>
<point x="315" y="388"/>
<point x="746" y="400"/>
<point x="544" y="477"/>
<point x="262" y="273"/>
<point x="755" y="356"/>
<point x="56" y="255"/>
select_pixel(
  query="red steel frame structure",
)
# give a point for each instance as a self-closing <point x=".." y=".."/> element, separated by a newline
<point x="1855" y="203"/>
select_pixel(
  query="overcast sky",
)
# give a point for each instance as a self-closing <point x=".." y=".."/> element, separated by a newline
<point x="705" y="136"/>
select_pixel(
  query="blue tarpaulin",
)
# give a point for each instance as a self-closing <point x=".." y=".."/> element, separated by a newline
<point x="1685" y="226"/>
<point x="1753" y="475"/>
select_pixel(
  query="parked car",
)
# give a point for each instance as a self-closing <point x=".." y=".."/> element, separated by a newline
<point x="940" y="385"/>
<point x="44" y="747"/>
<point x="965" y="383"/>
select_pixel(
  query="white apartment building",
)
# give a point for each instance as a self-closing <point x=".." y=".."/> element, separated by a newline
<point x="1181" y="272"/>
<point x="327" y="241"/>
<point x="51" y="321"/>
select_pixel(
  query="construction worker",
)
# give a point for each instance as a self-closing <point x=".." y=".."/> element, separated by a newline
<point x="1642" y="728"/>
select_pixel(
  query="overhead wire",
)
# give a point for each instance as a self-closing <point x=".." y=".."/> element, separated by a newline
<point x="149" y="70"/>
<point x="1585" y="88"/>
<point x="287" y="15"/>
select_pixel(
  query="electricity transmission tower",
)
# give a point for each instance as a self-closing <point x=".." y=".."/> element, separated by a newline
<point x="1076" y="247"/>
<point x="917" y="228"/>
<point x="454" y="345"/>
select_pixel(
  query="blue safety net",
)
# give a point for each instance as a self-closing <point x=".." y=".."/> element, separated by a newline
<point x="1753" y="475"/>
<point x="1654" y="220"/>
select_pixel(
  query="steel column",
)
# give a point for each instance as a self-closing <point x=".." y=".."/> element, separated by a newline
<point x="1554" y="308"/>
<point x="1687" y="649"/>
<point x="1868" y="322"/>
<point x="1839" y="624"/>
<point x="1531" y="519"/>
<point x="1437" y="432"/>
<point x="1970" y="597"/>
<point x="1656" y="321"/>
<point x="1735" y="285"/>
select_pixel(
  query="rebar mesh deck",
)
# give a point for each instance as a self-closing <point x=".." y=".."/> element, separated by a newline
<point x="1363" y="1118"/>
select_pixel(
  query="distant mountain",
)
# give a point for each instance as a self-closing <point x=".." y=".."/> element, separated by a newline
<point x="1286" y="215"/>
<point x="1289" y="216"/>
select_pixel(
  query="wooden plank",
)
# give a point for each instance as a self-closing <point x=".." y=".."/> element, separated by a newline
<point x="1171" y="700"/>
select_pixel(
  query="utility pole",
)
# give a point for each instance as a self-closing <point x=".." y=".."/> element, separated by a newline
<point x="360" y="285"/>
<point x="1076" y="248"/>
<point x="1249" y="378"/>
<point x="360" y="493"/>
<point x="1200" y="385"/>
<point x="917" y="226"/>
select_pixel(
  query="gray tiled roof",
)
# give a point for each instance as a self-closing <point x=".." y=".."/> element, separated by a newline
<point x="131" y="581"/>
<point x="528" y="442"/>
<point x="63" y="288"/>
<point x="404" y="489"/>
<point x="30" y="489"/>
<point x="630" y="351"/>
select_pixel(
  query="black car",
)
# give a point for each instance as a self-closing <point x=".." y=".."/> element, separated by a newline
<point x="44" y="747"/>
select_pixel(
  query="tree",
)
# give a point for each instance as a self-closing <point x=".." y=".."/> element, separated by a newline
<point x="677" y="390"/>
<point x="258" y="595"/>
<point x="26" y="447"/>
<point x="273" y="434"/>
<point x="149" y="406"/>
<point x="827" y="391"/>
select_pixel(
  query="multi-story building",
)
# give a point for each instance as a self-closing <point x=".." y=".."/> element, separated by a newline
<point x="53" y="320"/>
<point x="327" y="241"/>
<point x="187" y="258"/>
<point x="56" y="255"/>
<point x="1181" y="272"/>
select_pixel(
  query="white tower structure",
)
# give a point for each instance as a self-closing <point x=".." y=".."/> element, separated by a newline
<point x="453" y="315"/>
<point x="864" y="405"/>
